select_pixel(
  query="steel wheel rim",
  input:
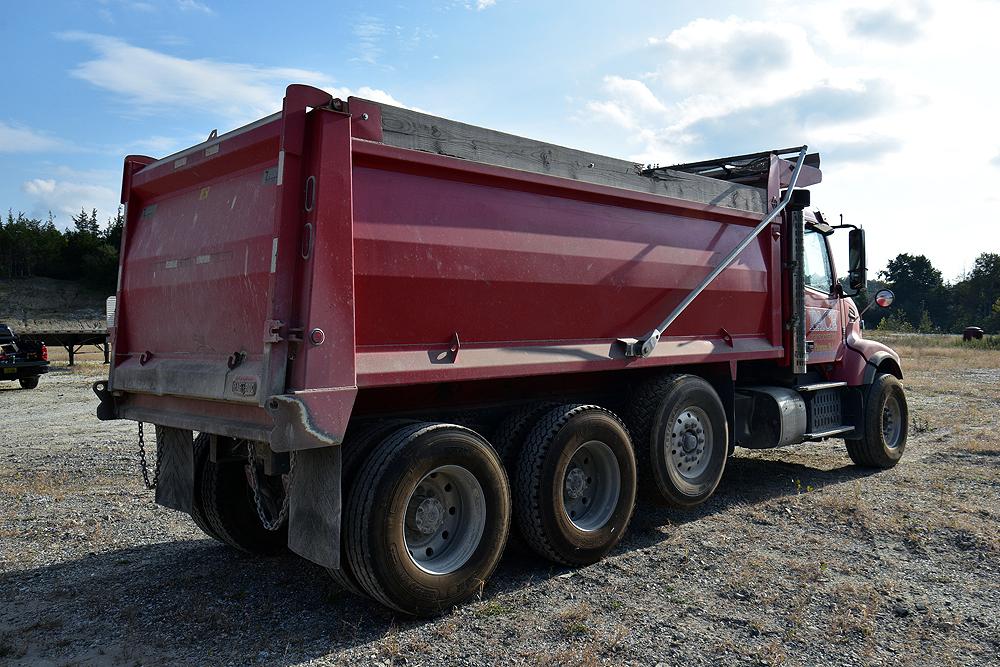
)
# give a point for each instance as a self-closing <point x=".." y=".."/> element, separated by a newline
<point x="690" y="448"/>
<point x="591" y="486"/>
<point x="445" y="519"/>
<point x="892" y="425"/>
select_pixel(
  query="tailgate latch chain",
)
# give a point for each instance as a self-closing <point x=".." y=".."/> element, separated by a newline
<point x="143" y="466"/>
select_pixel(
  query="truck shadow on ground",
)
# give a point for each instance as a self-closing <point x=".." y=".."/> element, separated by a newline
<point x="197" y="601"/>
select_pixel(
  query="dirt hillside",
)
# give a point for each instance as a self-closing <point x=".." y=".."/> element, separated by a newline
<point x="36" y="304"/>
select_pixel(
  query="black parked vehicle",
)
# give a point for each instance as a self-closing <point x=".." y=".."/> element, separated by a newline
<point x="21" y="360"/>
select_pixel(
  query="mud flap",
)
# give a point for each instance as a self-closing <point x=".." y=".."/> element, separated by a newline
<point x="314" y="506"/>
<point x="175" y="452"/>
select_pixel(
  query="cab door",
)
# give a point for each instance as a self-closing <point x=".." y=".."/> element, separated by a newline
<point x="824" y="328"/>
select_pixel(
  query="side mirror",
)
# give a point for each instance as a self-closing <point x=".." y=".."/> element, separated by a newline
<point x="858" y="270"/>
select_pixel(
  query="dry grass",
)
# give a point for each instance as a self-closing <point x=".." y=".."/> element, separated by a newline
<point x="575" y="621"/>
<point x="42" y="483"/>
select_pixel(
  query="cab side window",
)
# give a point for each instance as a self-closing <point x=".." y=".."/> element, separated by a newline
<point x="818" y="274"/>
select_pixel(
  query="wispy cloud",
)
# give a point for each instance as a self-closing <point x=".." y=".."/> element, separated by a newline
<point x="21" y="139"/>
<point x="149" y="80"/>
<point x="369" y="31"/>
<point x="194" y="6"/>
<point x="484" y="4"/>
<point x="996" y="161"/>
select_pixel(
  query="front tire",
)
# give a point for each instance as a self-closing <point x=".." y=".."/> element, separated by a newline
<point x="886" y="424"/>
<point x="429" y="516"/>
<point x="681" y="439"/>
<point x="576" y="484"/>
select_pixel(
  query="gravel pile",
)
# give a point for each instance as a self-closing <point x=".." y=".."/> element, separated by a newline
<point x="799" y="559"/>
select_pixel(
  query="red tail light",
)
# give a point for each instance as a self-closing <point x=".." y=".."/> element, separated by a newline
<point x="45" y="353"/>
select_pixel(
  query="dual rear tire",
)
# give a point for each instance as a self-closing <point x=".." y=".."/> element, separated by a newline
<point x="224" y="508"/>
<point x="681" y="439"/>
<point x="429" y="508"/>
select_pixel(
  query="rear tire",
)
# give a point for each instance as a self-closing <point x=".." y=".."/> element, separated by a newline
<point x="886" y="421"/>
<point x="202" y="451"/>
<point x="357" y="447"/>
<point x="576" y="484"/>
<point x="429" y="516"/>
<point x="508" y="438"/>
<point x="681" y="439"/>
<point x="28" y="383"/>
<point x="228" y="503"/>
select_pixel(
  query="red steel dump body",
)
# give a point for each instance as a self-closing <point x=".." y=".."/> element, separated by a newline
<point x="270" y="274"/>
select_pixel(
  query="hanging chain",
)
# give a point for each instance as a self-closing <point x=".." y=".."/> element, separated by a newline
<point x="143" y="466"/>
<point x="255" y="483"/>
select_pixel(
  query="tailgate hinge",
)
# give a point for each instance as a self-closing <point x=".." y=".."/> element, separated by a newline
<point x="272" y="331"/>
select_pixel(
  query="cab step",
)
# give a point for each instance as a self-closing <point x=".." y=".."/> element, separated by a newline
<point x="828" y="433"/>
<point x="819" y="386"/>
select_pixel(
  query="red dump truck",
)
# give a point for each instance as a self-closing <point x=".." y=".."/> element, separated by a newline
<point x="385" y="340"/>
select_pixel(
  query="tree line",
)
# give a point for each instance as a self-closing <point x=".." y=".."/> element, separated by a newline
<point x="88" y="252"/>
<point x="926" y="303"/>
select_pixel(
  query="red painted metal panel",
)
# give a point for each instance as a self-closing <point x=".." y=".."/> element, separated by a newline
<point x="231" y="248"/>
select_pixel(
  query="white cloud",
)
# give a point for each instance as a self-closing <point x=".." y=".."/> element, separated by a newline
<point x="879" y="88"/>
<point x="484" y="4"/>
<point x="21" y="139"/>
<point x="65" y="198"/>
<point x="149" y="80"/>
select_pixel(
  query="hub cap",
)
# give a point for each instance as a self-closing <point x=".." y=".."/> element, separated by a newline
<point x="445" y="519"/>
<point x="892" y="424"/>
<point x="690" y="446"/>
<point x="591" y="486"/>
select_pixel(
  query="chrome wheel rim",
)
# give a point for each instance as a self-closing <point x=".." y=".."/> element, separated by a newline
<point x="690" y="446"/>
<point x="591" y="486"/>
<point x="892" y="422"/>
<point x="445" y="519"/>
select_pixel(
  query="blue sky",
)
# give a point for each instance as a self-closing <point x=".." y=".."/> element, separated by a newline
<point x="898" y="97"/>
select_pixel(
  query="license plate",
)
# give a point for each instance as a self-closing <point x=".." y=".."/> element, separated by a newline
<point x="10" y="371"/>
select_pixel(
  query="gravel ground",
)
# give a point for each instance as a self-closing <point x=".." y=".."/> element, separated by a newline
<point x="799" y="559"/>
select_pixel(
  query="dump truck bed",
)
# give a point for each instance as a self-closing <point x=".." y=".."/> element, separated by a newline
<point x="271" y="273"/>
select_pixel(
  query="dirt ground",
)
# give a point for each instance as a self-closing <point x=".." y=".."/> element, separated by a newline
<point x="799" y="559"/>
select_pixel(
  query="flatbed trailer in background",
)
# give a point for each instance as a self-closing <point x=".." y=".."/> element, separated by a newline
<point x="72" y="340"/>
<point x="396" y="334"/>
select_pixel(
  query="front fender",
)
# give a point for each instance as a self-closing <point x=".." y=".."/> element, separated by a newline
<point x="864" y="358"/>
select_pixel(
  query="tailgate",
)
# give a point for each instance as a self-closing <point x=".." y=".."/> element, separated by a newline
<point x="200" y="247"/>
<point x="232" y="251"/>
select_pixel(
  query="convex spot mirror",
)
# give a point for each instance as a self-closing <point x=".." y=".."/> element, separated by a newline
<point x="884" y="298"/>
